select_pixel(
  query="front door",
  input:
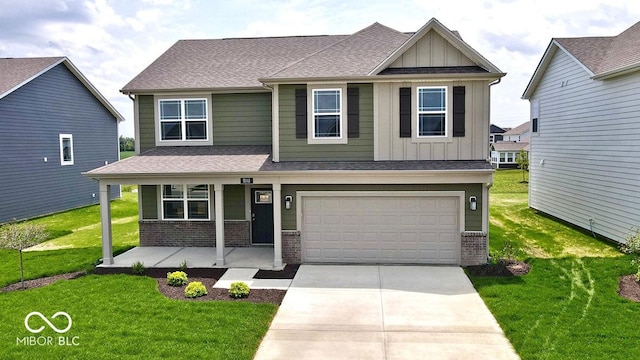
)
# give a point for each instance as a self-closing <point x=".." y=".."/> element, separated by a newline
<point x="262" y="216"/>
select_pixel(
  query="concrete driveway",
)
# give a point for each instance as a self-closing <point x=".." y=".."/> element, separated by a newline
<point x="383" y="312"/>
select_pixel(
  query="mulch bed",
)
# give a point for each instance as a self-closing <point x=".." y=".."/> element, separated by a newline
<point x="629" y="288"/>
<point x="36" y="283"/>
<point x="288" y="272"/>
<point x="255" y="295"/>
<point x="502" y="268"/>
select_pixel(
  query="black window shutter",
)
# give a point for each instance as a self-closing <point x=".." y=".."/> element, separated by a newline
<point x="405" y="112"/>
<point x="301" y="113"/>
<point x="458" y="111"/>
<point x="353" y="112"/>
<point x="534" y="125"/>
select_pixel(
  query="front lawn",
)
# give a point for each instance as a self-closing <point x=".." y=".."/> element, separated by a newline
<point x="124" y="316"/>
<point x="567" y="307"/>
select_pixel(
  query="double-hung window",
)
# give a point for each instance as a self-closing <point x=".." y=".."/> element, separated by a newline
<point x="185" y="202"/>
<point x="183" y="119"/>
<point x="327" y="113"/>
<point x="432" y="111"/>
<point x="66" y="149"/>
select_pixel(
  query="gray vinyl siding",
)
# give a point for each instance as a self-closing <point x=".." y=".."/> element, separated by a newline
<point x="473" y="219"/>
<point x="31" y="119"/>
<point x="589" y="136"/>
<point x="146" y="120"/>
<point x="292" y="149"/>
<point x="234" y="202"/>
<point x="242" y="119"/>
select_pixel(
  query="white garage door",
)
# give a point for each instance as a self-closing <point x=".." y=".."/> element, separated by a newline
<point x="381" y="229"/>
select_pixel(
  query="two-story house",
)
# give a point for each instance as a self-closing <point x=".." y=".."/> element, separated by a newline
<point x="54" y="125"/>
<point x="362" y="148"/>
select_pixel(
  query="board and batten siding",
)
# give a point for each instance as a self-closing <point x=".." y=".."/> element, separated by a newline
<point x="473" y="219"/>
<point x="293" y="149"/>
<point x="146" y="122"/>
<point x="585" y="158"/>
<point x="432" y="50"/>
<point x="242" y="119"/>
<point x="473" y="146"/>
<point x="31" y="119"/>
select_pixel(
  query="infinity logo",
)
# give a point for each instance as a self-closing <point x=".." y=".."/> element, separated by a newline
<point x="53" y="327"/>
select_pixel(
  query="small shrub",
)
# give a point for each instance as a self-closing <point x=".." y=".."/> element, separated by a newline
<point x="239" y="289"/>
<point x="195" y="289"/>
<point x="632" y="246"/>
<point x="177" y="278"/>
<point x="510" y="252"/>
<point x="183" y="265"/>
<point x="137" y="268"/>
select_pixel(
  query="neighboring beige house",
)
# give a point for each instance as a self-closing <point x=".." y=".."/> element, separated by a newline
<point x="520" y="133"/>
<point x="361" y="148"/>
<point x="585" y="143"/>
<point x="504" y="154"/>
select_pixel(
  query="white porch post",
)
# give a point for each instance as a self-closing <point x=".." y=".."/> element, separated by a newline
<point x="219" y="216"/>
<point x="277" y="225"/>
<point x="105" y="223"/>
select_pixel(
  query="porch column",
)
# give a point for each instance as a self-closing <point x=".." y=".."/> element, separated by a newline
<point x="219" y="216"/>
<point x="277" y="225"/>
<point x="105" y="223"/>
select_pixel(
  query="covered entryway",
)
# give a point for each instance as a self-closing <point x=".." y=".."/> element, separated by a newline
<point x="381" y="227"/>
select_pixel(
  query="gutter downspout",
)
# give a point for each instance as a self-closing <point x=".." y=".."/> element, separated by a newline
<point x="489" y="185"/>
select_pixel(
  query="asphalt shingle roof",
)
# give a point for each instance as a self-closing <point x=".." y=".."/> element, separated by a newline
<point x="167" y="161"/>
<point x="510" y="146"/>
<point x="518" y="130"/>
<point x="14" y="71"/>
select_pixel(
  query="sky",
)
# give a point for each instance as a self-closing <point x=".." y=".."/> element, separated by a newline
<point x="111" y="41"/>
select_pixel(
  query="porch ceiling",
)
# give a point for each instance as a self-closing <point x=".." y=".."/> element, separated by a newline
<point x="220" y="160"/>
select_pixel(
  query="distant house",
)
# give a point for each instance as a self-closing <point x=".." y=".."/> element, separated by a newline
<point x="54" y="125"/>
<point x="585" y="143"/>
<point x="505" y="153"/>
<point x="521" y="133"/>
<point x="495" y="133"/>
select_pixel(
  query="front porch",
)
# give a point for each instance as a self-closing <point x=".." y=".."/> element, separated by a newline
<point x="195" y="257"/>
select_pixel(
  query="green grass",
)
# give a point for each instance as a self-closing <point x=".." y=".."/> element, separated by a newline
<point x="81" y="227"/>
<point x="126" y="154"/>
<point x="125" y="317"/>
<point x="567" y="306"/>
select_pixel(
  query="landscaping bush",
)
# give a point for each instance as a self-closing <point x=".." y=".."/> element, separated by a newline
<point x="177" y="278"/>
<point x="195" y="289"/>
<point x="137" y="268"/>
<point x="632" y="246"/>
<point x="239" y="289"/>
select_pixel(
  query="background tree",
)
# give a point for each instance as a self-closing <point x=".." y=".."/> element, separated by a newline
<point x="21" y="236"/>
<point x="522" y="159"/>
<point x="127" y="143"/>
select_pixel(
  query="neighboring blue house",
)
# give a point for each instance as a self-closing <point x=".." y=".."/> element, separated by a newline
<point x="54" y="125"/>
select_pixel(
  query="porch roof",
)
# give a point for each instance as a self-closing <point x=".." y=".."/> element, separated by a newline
<point x="218" y="160"/>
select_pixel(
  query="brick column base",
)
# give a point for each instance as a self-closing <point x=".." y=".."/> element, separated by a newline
<point x="291" y="247"/>
<point x="474" y="248"/>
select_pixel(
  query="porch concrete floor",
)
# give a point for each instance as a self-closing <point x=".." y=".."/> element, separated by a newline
<point x="196" y="257"/>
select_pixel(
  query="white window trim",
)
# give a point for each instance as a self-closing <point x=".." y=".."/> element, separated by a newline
<point x="415" y="118"/>
<point x="311" y="138"/>
<point x="209" y="122"/>
<point x="535" y="114"/>
<point x="61" y="137"/>
<point x="185" y="203"/>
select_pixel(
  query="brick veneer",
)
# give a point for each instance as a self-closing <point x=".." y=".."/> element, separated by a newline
<point x="193" y="233"/>
<point x="473" y="248"/>
<point x="291" y="249"/>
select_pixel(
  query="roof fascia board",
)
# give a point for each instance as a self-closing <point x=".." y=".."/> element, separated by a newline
<point x="387" y="78"/>
<point x="454" y="40"/>
<point x="229" y="90"/>
<point x="33" y="77"/>
<point x="617" y="72"/>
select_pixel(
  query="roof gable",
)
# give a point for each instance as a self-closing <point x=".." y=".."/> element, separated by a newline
<point x="518" y="130"/>
<point x="468" y="56"/>
<point x="16" y="72"/>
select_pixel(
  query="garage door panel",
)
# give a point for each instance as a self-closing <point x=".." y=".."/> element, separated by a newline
<point x="378" y="229"/>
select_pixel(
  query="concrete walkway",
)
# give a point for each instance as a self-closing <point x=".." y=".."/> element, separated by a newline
<point x="383" y="312"/>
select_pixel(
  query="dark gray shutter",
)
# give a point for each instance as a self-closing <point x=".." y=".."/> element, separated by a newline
<point x="353" y="112"/>
<point x="458" y="111"/>
<point x="301" y="113"/>
<point x="405" y="112"/>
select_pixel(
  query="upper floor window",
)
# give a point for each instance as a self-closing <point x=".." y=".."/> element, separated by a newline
<point x="185" y="202"/>
<point x="327" y="113"/>
<point x="183" y="119"/>
<point x="432" y="111"/>
<point x="66" y="149"/>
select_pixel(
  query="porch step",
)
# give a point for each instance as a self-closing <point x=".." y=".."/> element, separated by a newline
<point x="246" y="275"/>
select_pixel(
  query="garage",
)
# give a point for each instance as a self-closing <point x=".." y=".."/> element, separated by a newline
<point x="383" y="227"/>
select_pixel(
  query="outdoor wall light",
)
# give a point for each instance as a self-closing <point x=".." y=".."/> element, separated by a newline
<point x="287" y="201"/>
<point x="473" y="203"/>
